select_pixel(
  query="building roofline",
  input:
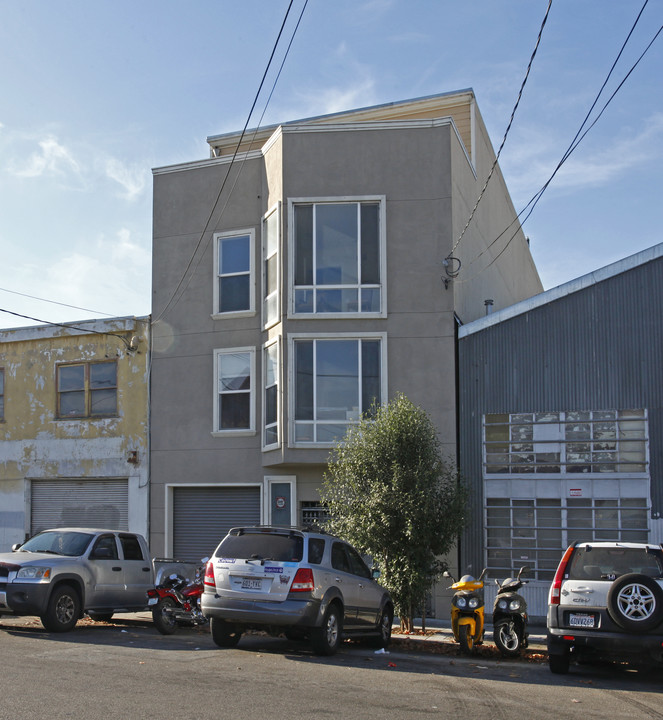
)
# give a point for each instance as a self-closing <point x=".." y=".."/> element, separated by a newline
<point x="67" y="329"/>
<point x="212" y="139"/>
<point x="556" y="293"/>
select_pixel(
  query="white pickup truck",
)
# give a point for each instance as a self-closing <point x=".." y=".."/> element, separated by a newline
<point x="61" y="574"/>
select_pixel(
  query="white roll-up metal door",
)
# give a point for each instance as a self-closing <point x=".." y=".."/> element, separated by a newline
<point x="202" y="517"/>
<point x="71" y="502"/>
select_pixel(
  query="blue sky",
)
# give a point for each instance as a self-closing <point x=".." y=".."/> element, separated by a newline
<point x="97" y="93"/>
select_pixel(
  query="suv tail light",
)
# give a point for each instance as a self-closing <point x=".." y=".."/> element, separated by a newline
<point x="556" y="587"/>
<point x="303" y="581"/>
<point x="209" y="575"/>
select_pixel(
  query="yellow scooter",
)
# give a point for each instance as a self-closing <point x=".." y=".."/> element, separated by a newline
<point x="467" y="611"/>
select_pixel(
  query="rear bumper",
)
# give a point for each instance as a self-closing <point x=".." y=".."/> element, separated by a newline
<point x="289" y="613"/>
<point x="609" y="645"/>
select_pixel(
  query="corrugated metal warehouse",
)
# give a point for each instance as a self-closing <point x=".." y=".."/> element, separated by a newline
<point x="561" y="421"/>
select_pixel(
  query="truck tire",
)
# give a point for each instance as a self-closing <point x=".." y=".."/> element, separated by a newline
<point x="559" y="664"/>
<point x="63" y="611"/>
<point x="635" y="603"/>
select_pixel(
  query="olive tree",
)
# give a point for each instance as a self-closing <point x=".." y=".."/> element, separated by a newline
<point x="391" y="494"/>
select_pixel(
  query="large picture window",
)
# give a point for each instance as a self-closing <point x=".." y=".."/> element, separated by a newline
<point x="338" y="250"/>
<point x="607" y="441"/>
<point x="233" y="289"/>
<point x="336" y="381"/>
<point x="234" y="406"/>
<point x="87" y="390"/>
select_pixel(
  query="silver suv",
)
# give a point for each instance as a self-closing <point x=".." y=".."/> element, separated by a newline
<point x="304" y="584"/>
<point x="606" y="602"/>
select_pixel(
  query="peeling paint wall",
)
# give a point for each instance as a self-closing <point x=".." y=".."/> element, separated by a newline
<point x="36" y="444"/>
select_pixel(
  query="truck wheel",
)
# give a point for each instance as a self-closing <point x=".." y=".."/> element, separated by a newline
<point x="163" y="619"/>
<point x="63" y="611"/>
<point x="224" y="634"/>
<point x="559" y="664"/>
<point x="466" y="639"/>
<point x="635" y="603"/>
<point x="327" y="638"/>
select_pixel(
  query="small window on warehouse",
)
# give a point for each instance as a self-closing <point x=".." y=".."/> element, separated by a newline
<point x="2" y="394"/>
<point x="87" y="390"/>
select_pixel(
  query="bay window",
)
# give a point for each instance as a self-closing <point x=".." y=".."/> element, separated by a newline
<point x="337" y="379"/>
<point x="338" y="256"/>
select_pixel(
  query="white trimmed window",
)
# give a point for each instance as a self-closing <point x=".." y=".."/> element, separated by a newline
<point x="271" y="269"/>
<point x="271" y="395"/>
<point x="234" y="275"/>
<point x="234" y="371"/>
<point x="336" y="379"/>
<point x="338" y="256"/>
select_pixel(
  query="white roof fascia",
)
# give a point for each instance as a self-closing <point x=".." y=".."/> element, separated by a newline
<point x="585" y="281"/>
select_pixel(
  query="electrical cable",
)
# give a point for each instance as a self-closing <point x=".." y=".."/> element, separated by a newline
<point x="71" y="327"/>
<point x="506" y="133"/>
<point x="225" y="179"/>
<point x="239" y="172"/>
<point x="572" y="146"/>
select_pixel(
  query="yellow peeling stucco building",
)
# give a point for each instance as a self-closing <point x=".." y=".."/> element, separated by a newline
<point x="74" y="427"/>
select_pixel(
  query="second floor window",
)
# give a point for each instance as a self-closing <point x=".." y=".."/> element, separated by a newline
<point x="2" y="394"/>
<point x="235" y="369"/>
<point x="337" y="380"/>
<point x="87" y="390"/>
<point x="233" y="290"/>
<point x="338" y="257"/>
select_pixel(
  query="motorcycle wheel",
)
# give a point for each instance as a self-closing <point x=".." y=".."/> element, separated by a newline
<point x="164" y="621"/>
<point x="466" y="639"/>
<point x="507" y="638"/>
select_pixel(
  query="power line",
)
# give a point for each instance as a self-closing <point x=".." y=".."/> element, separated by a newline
<point x="127" y="344"/>
<point x="513" y="112"/>
<point x="232" y="161"/>
<point x="578" y="138"/>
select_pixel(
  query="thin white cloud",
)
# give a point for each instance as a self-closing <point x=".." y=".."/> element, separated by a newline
<point x="52" y="158"/>
<point x="132" y="179"/>
<point x="530" y="161"/>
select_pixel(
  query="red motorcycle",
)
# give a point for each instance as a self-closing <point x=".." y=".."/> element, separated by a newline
<point x="176" y="601"/>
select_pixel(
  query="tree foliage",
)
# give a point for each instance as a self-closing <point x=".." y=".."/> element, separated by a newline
<point x="392" y="495"/>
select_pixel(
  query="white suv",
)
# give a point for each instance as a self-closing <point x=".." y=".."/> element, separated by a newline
<point x="304" y="584"/>
<point x="606" y="602"/>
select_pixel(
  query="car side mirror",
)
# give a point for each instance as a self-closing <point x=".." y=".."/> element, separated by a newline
<point x="16" y="546"/>
<point x="375" y="573"/>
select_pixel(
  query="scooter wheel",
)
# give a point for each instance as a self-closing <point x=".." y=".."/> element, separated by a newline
<point x="466" y="639"/>
<point x="507" y="638"/>
<point x="163" y="619"/>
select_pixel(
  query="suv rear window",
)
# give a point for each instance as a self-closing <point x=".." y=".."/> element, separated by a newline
<point x="593" y="563"/>
<point x="262" y="546"/>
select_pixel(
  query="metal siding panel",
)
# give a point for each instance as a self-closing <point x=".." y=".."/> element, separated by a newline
<point x="202" y="517"/>
<point x="597" y="348"/>
<point x="79" y="503"/>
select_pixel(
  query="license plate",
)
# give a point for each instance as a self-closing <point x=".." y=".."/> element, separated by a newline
<point x="152" y="601"/>
<point x="577" y="620"/>
<point x="251" y="584"/>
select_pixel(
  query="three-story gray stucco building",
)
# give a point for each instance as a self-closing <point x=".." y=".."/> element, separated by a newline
<point x="300" y="273"/>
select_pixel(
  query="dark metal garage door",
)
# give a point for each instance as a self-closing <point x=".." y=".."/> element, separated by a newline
<point x="203" y="515"/>
<point x="79" y="503"/>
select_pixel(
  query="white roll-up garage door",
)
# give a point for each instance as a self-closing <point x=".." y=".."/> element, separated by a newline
<point x="202" y="517"/>
<point x="79" y="503"/>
